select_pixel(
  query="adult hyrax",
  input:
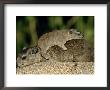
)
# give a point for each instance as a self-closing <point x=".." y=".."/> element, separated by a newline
<point x="57" y="37"/>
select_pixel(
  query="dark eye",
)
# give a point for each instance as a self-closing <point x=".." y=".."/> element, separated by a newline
<point x="23" y="57"/>
<point x="34" y="50"/>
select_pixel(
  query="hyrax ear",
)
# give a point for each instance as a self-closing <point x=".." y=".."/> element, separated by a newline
<point x="25" y="49"/>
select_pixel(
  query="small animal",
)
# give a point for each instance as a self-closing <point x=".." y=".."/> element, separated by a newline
<point x="29" y="56"/>
<point x="77" y="51"/>
<point x="57" y="53"/>
<point x="81" y="50"/>
<point x="57" y="37"/>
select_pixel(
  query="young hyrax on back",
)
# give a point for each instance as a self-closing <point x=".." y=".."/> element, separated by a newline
<point x="57" y="37"/>
<point x="77" y="51"/>
<point x="80" y="49"/>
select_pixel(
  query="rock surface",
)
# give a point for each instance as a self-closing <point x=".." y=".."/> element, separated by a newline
<point x="49" y="67"/>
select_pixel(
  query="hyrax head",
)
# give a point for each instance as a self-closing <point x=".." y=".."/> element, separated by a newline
<point x="73" y="33"/>
<point x="27" y="56"/>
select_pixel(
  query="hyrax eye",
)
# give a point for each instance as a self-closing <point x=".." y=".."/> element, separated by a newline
<point x="23" y="57"/>
<point x="34" y="50"/>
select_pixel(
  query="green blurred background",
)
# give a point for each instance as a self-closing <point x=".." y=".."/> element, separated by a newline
<point x="30" y="28"/>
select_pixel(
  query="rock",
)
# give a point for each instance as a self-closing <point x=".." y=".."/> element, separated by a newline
<point x="58" y="68"/>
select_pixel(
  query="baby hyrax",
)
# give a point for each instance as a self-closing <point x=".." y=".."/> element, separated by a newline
<point x="77" y="51"/>
<point x="57" y="53"/>
<point x="57" y="37"/>
<point x="29" y="56"/>
<point x="80" y="49"/>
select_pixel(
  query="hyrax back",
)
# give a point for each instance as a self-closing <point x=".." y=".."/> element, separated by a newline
<point x="77" y="51"/>
<point x="80" y="50"/>
<point x="57" y="53"/>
